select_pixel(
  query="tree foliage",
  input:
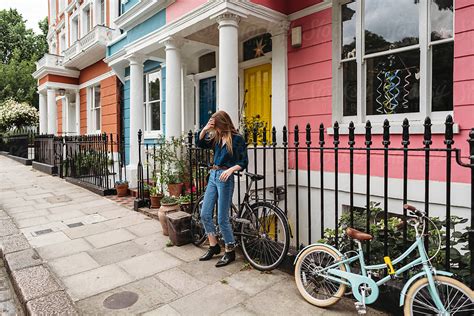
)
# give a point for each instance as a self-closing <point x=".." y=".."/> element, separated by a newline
<point x="17" y="115"/>
<point x="20" y="48"/>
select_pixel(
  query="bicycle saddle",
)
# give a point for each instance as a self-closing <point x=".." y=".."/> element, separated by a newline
<point x="254" y="176"/>
<point x="355" y="234"/>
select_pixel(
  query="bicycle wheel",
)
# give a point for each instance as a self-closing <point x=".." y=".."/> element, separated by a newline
<point x="197" y="228"/>
<point x="265" y="236"/>
<point x="456" y="297"/>
<point x="316" y="289"/>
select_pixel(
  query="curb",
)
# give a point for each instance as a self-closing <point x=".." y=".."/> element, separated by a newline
<point x="37" y="289"/>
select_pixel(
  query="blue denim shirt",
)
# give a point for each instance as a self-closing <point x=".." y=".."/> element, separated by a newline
<point x="222" y="157"/>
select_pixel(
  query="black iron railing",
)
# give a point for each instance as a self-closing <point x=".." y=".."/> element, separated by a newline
<point x="19" y="142"/>
<point x="333" y="181"/>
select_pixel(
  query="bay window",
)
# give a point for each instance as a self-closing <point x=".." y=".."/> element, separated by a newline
<point x="152" y="101"/>
<point x="395" y="59"/>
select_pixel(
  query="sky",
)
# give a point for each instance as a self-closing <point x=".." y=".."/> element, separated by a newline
<point x="32" y="10"/>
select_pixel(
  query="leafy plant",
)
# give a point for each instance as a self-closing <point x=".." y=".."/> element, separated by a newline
<point x="154" y="190"/>
<point x="253" y="124"/>
<point x="17" y="115"/>
<point x="169" y="200"/>
<point x="184" y="199"/>
<point x="459" y="255"/>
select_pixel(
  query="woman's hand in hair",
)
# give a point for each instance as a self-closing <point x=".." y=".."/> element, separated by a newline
<point x="208" y="126"/>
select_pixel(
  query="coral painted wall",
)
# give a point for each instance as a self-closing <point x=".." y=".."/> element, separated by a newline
<point x="110" y="103"/>
<point x="83" y="110"/>
<point x="93" y="71"/>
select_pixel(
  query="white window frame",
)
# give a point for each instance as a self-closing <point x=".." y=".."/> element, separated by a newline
<point x="62" y="42"/>
<point x="62" y="6"/>
<point x="74" y="29"/>
<point x="425" y="69"/>
<point x="86" y="27"/>
<point x="147" y="108"/>
<point x="52" y="11"/>
<point x="92" y="108"/>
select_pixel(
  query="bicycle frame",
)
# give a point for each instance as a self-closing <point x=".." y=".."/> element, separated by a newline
<point x="354" y="280"/>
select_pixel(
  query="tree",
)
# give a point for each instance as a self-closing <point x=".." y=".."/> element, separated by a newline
<point x="20" y="48"/>
<point x="17" y="115"/>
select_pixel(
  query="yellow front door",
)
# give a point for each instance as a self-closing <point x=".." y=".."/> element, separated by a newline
<point x="258" y="97"/>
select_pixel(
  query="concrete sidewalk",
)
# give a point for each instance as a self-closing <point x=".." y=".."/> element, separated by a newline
<point x="111" y="260"/>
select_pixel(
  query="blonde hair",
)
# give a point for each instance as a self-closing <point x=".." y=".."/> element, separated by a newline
<point x="224" y="129"/>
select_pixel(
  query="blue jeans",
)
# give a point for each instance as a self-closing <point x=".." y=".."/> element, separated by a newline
<point x="221" y="192"/>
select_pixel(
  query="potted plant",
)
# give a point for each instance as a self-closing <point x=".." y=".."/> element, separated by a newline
<point x="185" y="203"/>
<point x="175" y="185"/>
<point x="122" y="187"/>
<point x="168" y="204"/>
<point x="155" y="197"/>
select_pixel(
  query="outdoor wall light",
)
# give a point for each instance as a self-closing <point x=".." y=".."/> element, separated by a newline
<point x="296" y="37"/>
<point x="62" y="92"/>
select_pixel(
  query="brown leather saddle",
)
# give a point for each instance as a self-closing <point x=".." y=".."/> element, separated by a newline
<point x="358" y="235"/>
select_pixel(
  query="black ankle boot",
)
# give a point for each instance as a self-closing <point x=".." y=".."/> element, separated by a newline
<point x="213" y="250"/>
<point x="228" y="257"/>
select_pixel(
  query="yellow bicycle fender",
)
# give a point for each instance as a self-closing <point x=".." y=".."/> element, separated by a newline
<point x="414" y="278"/>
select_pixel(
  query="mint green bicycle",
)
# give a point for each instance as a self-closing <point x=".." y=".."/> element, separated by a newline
<point x="322" y="274"/>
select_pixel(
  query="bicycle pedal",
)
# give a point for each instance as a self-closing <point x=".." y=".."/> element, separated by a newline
<point x="361" y="310"/>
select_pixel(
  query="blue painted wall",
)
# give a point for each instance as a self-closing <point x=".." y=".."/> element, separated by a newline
<point x="148" y="66"/>
<point x="128" y="5"/>
<point x="137" y="32"/>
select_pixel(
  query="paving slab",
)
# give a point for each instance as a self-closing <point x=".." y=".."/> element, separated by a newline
<point x="57" y="303"/>
<point x="23" y="259"/>
<point x="149" y="264"/>
<point x="109" y="238"/>
<point x="87" y="230"/>
<point x="73" y="264"/>
<point x="33" y="221"/>
<point x="48" y="239"/>
<point x="36" y="213"/>
<point x="13" y="243"/>
<point x="253" y="281"/>
<point x="150" y="291"/>
<point x="238" y="310"/>
<point x="116" y="253"/>
<point x="92" y="282"/>
<point x="115" y="212"/>
<point x="64" y="249"/>
<point x="165" y="310"/>
<point x="186" y="253"/>
<point x="7" y="227"/>
<point x="126" y="221"/>
<point x="34" y="282"/>
<point x="205" y="271"/>
<point x="153" y="242"/>
<point x="180" y="281"/>
<point x="145" y="229"/>
<point x="211" y="300"/>
<point x="65" y="215"/>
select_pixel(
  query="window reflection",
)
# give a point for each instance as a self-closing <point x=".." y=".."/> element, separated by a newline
<point x="349" y="96"/>
<point x="442" y="77"/>
<point x="348" y="12"/>
<point x="390" y="24"/>
<point x="441" y="19"/>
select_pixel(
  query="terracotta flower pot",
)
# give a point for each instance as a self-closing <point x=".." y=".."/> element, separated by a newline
<point x="122" y="189"/>
<point x="187" y="186"/>
<point x="155" y="201"/>
<point x="175" y="189"/>
<point x="163" y="211"/>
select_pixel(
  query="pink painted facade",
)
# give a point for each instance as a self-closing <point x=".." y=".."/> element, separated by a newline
<point x="310" y="75"/>
<point x="179" y="8"/>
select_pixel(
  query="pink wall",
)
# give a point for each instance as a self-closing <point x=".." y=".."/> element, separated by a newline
<point x="181" y="7"/>
<point x="277" y="5"/>
<point x="310" y="97"/>
<point x="296" y="5"/>
<point x="287" y="6"/>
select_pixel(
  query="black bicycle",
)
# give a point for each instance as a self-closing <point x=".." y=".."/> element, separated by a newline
<point x="261" y="228"/>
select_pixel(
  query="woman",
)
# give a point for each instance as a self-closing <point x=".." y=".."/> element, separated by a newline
<point x="230" y="155"/>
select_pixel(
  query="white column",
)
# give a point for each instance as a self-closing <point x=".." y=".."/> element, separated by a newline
<point x="78" y="112"/>
<point x="52" y="112"/>
<point x="173" y="87"/>
<point x="229" y="65"/>
<point x="279" y="76"/>
<point x="43" y="114"/>
<point x="136" y="105"/>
